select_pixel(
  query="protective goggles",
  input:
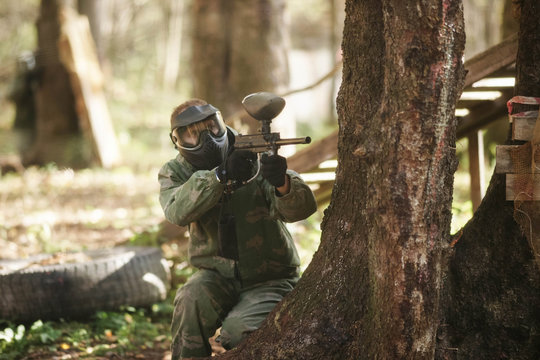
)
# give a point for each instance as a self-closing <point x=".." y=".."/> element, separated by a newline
<point x="189" y="137"/>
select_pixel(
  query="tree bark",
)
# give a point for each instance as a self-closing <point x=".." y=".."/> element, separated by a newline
<point x="491" y="296"/>
<point x="372" y="288"/>
<point x="239" y="48"/>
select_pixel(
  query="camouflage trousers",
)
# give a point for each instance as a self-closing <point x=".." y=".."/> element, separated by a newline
<point x="208" y="300"/>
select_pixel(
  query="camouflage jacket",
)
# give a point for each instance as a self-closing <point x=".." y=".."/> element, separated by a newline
<point x="265" y="247"/>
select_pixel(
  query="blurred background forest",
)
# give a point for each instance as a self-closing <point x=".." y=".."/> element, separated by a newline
<point x="147" y="53"/>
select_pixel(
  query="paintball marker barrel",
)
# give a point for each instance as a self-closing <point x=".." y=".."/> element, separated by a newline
<point x="259" y="143"/>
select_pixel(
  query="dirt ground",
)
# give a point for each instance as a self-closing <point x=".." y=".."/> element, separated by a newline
<point x="56" y="210"/>
<point x="149" y="354"/>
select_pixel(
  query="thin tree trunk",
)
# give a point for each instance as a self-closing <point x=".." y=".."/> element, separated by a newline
<point x="238" y="48"/>
<point x="372" y="288"/>
<point x="93" y="9"/>
<point x="510" y="23"/>
<point x="173" y="43"/>
<point x="334" y="37"/>
<point x="482" y="25"/>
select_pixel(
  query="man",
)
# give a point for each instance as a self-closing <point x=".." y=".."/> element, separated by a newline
<point x="246" y="259"/>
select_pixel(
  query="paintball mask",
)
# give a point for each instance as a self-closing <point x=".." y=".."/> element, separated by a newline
<point x="200" y="135"/>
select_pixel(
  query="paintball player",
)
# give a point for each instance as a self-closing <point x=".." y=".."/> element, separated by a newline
<point x="246" y="258"/>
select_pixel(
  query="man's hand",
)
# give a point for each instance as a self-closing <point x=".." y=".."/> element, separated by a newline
<point x="238" y="166"/>
<point x="273" y="169"/>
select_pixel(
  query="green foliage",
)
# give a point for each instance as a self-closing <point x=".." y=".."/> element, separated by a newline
<point x="129" y="329"/>
<point x="11" y="341"/>
<point x="15" y="339"/>
<point x="461" y="214"/>
<point x="148" y="237"/>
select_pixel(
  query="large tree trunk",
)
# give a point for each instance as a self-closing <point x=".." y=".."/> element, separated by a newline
<point x="372" y="288"/>
<point x="238" y="48"/>
<point x="492" y="293"/>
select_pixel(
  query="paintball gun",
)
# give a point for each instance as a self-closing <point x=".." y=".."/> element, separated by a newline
<point x="265" y="106"/>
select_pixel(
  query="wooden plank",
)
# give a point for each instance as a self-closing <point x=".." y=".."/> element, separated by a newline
<point x="503" y="156"/>
<point x="491" y="60"/>
<point x="78" y="54"/>
<point x="310" y="157"/>
<point x="523" y="127"/>
<point x="476" y="168"/>
<point x="482" y="115"/>
<point x="503" y="160"/>
<point x="510" y="190"/>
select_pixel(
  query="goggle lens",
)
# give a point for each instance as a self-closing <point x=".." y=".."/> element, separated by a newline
<point x="189" y="136"/>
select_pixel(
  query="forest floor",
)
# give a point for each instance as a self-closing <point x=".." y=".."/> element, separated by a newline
<point x="59" y="210"/>
<point x="52" y="210"/>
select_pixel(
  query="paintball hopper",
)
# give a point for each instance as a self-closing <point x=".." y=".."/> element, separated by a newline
<point x="263" y="105"/>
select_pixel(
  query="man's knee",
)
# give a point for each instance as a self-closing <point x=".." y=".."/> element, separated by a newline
<point x="234" y="330"/>
<point x="195" y="308"/>
<point x="192" y="289"/>
<point x="185" y="306"/>
<point x="198" y="307"/>
<point x="192" y="324"/>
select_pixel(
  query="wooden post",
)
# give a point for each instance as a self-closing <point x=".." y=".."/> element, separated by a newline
<point x="476" y="168"/>
<point x="78" y="54"/>
<point x="521" y="161"/>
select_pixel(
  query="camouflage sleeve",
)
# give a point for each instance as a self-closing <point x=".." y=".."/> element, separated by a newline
<point x="297" y="205"/>
<point x="184" y="201"/>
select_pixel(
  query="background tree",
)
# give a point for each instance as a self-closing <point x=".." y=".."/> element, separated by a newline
<point x="492" y="289"/>
<point x="510" y="24"/>
<point x="239" y="47"/>
<point x="174" y="11"/>
<point x="93" y="9"/>
<point x="56" y="119"/>
<point x="487" y="31"/>
<point x="372" y="288"/>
